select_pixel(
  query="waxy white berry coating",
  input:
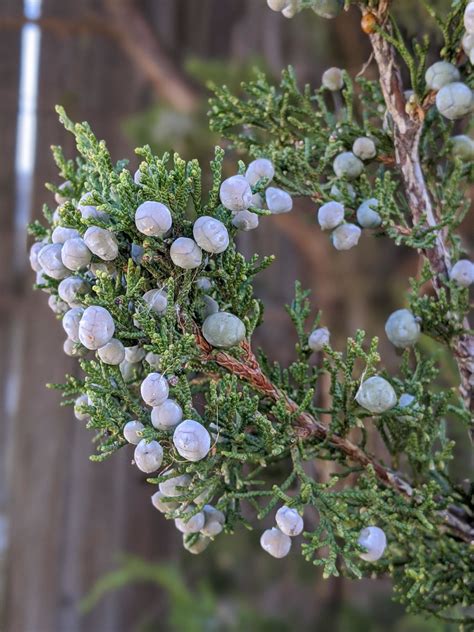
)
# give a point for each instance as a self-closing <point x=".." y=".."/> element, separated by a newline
<point x="364" y="148"/>
<point x="330" y="215"/>
<point x="454" y="100"/>
<point x="192" y="440"/>
<point x="374" y="541"/>
<point x="96" y="327"/>
<point x="157" y="301"/>
<point x="463" y="147"/>
<point x="153" y="360"/>
<point x="291" y="9"/>
<point x="136" y="252"/>
<point x="154" y="389"/>
<point x="245" y="220"/>
<point x="223" y="330"/>
<point x="468" y="43"/>
<point x="101" y="242"/>
<point x="333" y="79"/>
<point x="153" y="219"/>
<point x="70" y="322"/>
<point x="376" y="395"/>
<point x="75" y="254"/>
<point x="132" y="431"/>
<point x="257" y="201"/>
<point x="259" y="168"/>
<point x="235" y="193"/>
<point x="289" y="521"/>
<point x="87" y="210"/>
<point x="72" y="289"/>
<point x="190" y="525"/>
<point x="185" y="253"/>
<point x="148" y="456"/>
<point x="462" y="273"/>
<point x="50" y="260"/>
<point x="345" y="236"/>
<point x="72" y="349"/>
<point x="210" y="234"/>
<point x="347" y="165"/>
<point x="214" y="521"/>
<point x="344" y="189"/>
<point x="137" y="177"/>
<point x="318" y="339"/>
<point x="81" y="401"/>
<point x="278" y="5"/>
<point x="406" y="400"/>
<point x="440" y="74"/>
<point x="134" y="354"/>
<point x="58" y="197"/>
<point x="210" y="306"/>
<point x="163" y="503"/>
<point x="196" y="546"/>
<point x="367" y="216"/>
<point x="204" y="284"/>
<point x="34" y="252"/>
<point x="469" y="18"/>
<point x="276" y="543"/>
<point x="327" y="8"/>
<point x="61" y="234"/>
<point x="278" y="201"/>
<point x="112" y="353"/>
<point x="175" y="486"/>
<point x="127" y="370"/>
<point x="56" y="305"/>
<point x="402" y="328"/>
<point x="167" y="415"/>
<point x="105" y="268"/>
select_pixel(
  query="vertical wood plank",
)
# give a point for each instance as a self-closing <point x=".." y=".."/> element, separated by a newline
<point x="70" y="518"/>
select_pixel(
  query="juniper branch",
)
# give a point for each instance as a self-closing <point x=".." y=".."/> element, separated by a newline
<point x="307" y="426"/>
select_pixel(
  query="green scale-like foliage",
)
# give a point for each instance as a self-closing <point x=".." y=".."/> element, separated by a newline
<point x="265" y="419"/>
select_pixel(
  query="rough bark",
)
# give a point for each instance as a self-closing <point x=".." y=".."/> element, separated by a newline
<point x="407" y="130"/>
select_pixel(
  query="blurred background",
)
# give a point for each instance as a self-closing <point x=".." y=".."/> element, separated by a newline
<point x="137" y="71"/>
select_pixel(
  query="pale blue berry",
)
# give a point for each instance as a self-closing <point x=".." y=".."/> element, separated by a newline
<point x="367" y="216"/>
<point x="440" y="74"/>
<point x="223" y="330"/>
<point x="289" y="521"/>
<point x="402" y="328"/>
<point x="96" y="327"/>
<point x="330" y="215"/>
<point x="192" y="440"/>
<point x="153" y="219"/>
<point x="154" y="389"/>
<point x="345" y="236"/>
<point x="374" y="541"/>
<point x="347" y="165"/>
<point x="454" y="100"/>
<point x="148" y="456"/>
<point x="210" y="234"/>
<point x="275" y="543"/>
<point x="462" y="273"/>
<point x="132" y="431"/>
<point x="278" y="201"/>
<point x="333" y="79"/>
<point x="258" y="169"/>
<point x="235" y="193"/>
<point x="185" y="253"/>
<point x="376" y="395"/>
